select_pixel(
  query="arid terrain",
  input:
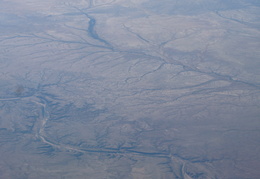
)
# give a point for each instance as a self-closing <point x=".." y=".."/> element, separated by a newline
<point x="129" y="89"/>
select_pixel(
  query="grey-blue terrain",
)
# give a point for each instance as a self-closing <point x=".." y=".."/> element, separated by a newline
<point x="129" y="89"/>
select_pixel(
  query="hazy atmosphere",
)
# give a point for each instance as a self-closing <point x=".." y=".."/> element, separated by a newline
<point x="129" y="89"/>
